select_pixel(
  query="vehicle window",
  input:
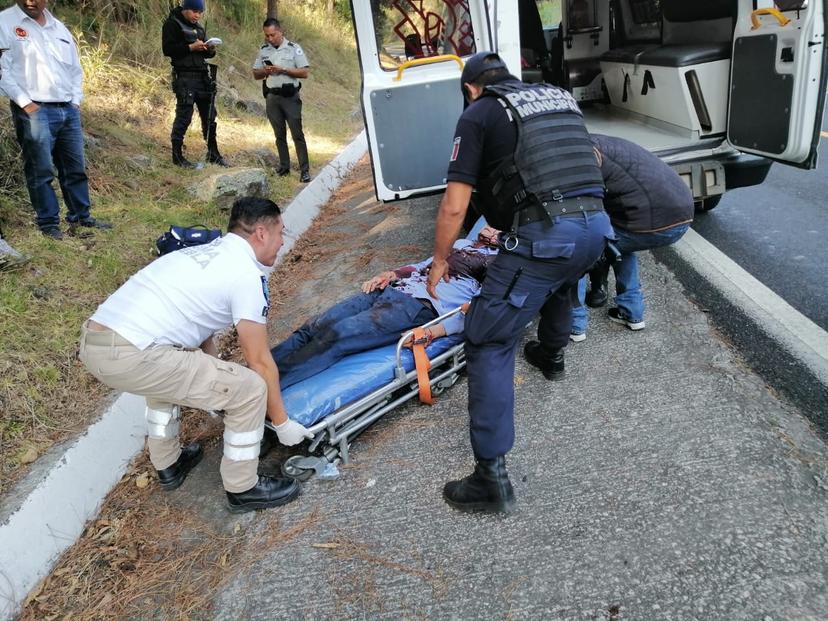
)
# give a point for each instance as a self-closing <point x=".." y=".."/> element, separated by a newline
<point x="550" y="12"/>
<point x="645" y="11"/>
<point x="408" y="29"/>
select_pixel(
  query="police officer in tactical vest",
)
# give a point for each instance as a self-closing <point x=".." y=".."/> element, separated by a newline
<point x="525" y="149"/>
<point x="183" y="39"/>
<point x="280" y="64"/>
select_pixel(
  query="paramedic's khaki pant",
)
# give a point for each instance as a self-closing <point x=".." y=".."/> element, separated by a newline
<point x="168" y="375"/>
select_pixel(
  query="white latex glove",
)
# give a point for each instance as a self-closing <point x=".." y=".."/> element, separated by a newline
<point x="290" y="432"/>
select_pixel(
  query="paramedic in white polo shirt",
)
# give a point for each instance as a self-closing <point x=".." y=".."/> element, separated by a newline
<point x="154" y="337"/>
<point x="42" y="77"/>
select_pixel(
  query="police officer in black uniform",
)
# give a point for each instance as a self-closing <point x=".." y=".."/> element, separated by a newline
<point x="525" y="149"/>
<point x="183" y="39"/>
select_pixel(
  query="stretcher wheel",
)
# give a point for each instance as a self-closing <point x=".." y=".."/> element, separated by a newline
<point x="440" y="387"/>
<point x="292" y="469"/>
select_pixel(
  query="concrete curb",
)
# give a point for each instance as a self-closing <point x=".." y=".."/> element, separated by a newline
<point x="785" y="347"/>
<point x="48" y="510"/>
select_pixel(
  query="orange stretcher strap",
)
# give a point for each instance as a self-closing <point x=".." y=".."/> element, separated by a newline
<point x="422" y="364"/>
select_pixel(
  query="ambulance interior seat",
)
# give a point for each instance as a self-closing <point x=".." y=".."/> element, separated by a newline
<point x="679" y="81"/>
<point x="692" y="33"/>
<point x="579" y="72"/>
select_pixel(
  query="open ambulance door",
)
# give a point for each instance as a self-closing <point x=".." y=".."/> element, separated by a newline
<point x="778" y="80"/>
<point x="411" y="55"/>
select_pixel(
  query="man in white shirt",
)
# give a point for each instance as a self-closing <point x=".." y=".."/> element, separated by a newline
<point x="41" y="75"/>
<point x="154" y="337"/>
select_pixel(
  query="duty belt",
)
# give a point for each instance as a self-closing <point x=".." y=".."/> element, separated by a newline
<point x="553" y="209"/>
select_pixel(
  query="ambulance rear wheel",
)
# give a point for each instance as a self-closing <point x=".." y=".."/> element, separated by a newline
<point x="708" y="203"/>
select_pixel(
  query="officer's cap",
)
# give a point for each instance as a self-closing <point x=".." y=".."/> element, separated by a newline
<point x="193" y="5"/>
<point x="477" y="64"/>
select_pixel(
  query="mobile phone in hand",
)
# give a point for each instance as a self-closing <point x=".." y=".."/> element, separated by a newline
<point x="267" y="62"/>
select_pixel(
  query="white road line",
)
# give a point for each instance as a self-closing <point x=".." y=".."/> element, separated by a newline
<point x="798" y="334"/>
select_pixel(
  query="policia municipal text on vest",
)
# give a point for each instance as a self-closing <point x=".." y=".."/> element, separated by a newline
<point x="552" y="144"/>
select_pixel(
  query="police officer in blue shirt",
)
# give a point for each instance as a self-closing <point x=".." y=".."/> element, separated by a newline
<point x="525" y="149"/>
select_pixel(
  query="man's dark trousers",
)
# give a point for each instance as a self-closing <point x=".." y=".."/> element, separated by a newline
<point x="193" y="89"/>
<point x="361" y="322"/>
<point x="50" y="138"/>
<point x="283" y="111"/>
<point x="549" y="259"/>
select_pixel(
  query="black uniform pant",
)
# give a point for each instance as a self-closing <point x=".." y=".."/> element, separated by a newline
<point x="283" y="111"/>
<point x="547" y="262"/>
<point x="194" y="89"/>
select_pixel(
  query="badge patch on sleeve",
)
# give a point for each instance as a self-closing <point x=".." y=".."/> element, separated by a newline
<point x="455" y="149"/>
<point x="266" y="297"/>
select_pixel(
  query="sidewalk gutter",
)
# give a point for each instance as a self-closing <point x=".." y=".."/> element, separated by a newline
<point x="46" y="513"/>
<point x="786" y="348"/>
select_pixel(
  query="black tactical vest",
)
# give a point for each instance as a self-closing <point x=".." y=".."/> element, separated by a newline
<point x="194" y="61"/>
<point x="553" y="155"/>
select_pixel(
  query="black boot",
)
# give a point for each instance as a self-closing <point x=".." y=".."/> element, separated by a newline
<point x="550" y="361"/>
<point x="597" y="296"/>
<point x="268" y="492"/>
<point x="173" y="476"/>
<point x="178" y="156"/>
<point x="487" y="489"/>
<point x="213" y="155"/>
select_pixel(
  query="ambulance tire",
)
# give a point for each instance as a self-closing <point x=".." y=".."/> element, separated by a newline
<point x="709" y="203"/>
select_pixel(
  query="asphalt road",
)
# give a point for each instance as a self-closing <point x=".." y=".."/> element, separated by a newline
<point x="778" y="231"/>
<point x="661" y="479"/>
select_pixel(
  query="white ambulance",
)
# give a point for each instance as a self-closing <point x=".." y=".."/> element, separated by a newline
<point x="717" y="88"/>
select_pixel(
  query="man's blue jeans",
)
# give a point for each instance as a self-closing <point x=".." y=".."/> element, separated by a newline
<point x="52" y="138"/>
<point x="629" y="298"/>
<point x="359" y="323"/>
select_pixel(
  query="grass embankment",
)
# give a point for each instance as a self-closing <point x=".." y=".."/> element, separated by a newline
<point x="45" y="395"/>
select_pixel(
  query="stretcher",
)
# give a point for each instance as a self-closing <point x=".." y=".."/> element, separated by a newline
<point x="345" y="399"/>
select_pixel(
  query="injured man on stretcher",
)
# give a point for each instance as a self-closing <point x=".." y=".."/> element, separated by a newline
<point x="391" y="303"/>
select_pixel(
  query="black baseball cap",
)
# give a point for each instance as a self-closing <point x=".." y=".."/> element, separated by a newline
<point x="477" y="64"/>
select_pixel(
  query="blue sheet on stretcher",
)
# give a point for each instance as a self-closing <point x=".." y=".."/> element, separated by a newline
<point x="355" y="376"/>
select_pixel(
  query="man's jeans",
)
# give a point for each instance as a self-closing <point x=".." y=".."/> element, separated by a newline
<point x="52" y="138"/>
<point x="359" y="323"/>
<point x="629" y="298"/>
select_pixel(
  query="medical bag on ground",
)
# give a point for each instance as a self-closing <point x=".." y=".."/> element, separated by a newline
<point x="185" y="236"/>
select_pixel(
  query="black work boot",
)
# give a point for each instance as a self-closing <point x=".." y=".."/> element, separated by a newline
<point x="178" y="155"/>
<point x="487" y="489"/>
<point x="597" y="296"/>
<point x="173" y="476"/>
<point x="550" y="361"/>
<point x="213" y="155"/>
<point x="268" y="492"/>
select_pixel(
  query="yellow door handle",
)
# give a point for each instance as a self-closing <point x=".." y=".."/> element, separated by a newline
<point x="754" y="17"/>
<point x="427" y="61"/>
